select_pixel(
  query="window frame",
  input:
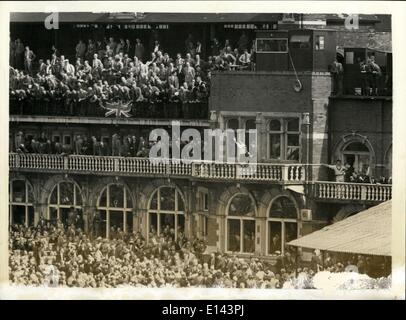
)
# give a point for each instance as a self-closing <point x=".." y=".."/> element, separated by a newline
<point x="176" y="212"/>
<point x="282" y="221"/>
<point x="123" y="210"/>
<point x="287" y="45"/>
<point x="26" y="203"/>
<point x="284" y="134"/>
<point x="241" y="220"/>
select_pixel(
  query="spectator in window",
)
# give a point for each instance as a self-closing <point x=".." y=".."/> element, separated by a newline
<point x="112" y="45"/>
<point x="189" y="43"/>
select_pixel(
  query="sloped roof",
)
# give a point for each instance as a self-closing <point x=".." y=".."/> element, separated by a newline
<point x="368" y="232"/>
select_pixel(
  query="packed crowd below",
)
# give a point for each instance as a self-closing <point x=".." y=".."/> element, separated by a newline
<point x="58" y="255"/>
<point x="108" y="74"/>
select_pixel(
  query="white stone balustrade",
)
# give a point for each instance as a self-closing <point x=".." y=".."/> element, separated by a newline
<point x="261" y="172"/>
<point x="352" y="191"/>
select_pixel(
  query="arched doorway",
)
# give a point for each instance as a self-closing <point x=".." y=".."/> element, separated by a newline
<point x="240" y="224"/>
<point x="281" y="224"/>
<point x="166" y="212"/>
<point x="21" y="203"/>
<point x="114" y="212"/>
<point x="357" y="155"/>
<point x="65" y="204"/>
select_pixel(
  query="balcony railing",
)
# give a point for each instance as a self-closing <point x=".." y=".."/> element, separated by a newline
<point x="215" y="171"/>
<point x="353" y="191"/>
<point x="291" y="173"/>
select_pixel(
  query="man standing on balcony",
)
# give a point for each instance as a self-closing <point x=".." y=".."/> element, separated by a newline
<point x="339" y="170"/>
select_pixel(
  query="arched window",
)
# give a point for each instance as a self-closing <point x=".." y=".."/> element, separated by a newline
<point x="21" y="199"/>
<point x="241" y="224"/>
<point x="282" y="224"/>
<point x="65" y="204"/>
<point x="166" y="212"/>
<point x="115" y="209"/>
<point x="357" y="154"/>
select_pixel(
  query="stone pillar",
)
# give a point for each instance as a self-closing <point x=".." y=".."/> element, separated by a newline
<point x="321" y="90"/>
<point x="261" y="139"/>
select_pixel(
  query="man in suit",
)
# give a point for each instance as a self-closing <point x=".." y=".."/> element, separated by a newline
<point x="139" y="49"/>
<point x="337" y="72"/>
<point x="29" y="56"/>
<point x="80" y="50"/>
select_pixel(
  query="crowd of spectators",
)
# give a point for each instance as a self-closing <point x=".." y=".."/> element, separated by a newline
<point x="347" y="173"/>
<point x="122" y="146"/>
<point x="109" y="72"/>
<point x="54" y="255"/>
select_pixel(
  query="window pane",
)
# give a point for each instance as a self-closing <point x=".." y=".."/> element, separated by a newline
<point x="181" y="223"/>
<point x="249" y="236"/>
<point x="290" y="231"/>
<point x="116" y="196"/>
<point x="167" y="199"/>
<point x="66" y="193"/>
<point x="292" y="153"/>
<point x="357" y="146"/>
<point x="233" y="235"/>
<point x="293" y="125"/>
<point x="293" y="140"/>
<point x="232" y="124"/>
<point x="181" y="205"/>
<point x="53" y="215"/>
<point x="153" y="223"/>
<point x="274" y="125"/>
<point x="241" y="205"/>
<point x="31" y="216"/>
<point x="30" y="195"/>
<point x="116" y="223"/>
<point x="275" y="237"/>
<point x="129" y="203"/>
<point x="272" y="45"/>
<point x="54" y="196"/>
<point x="154" y="202"/>
<point x="250" y="124"/>
<point x="19" y="191"/>
<point x="100" y="224"/>
<point x="283" y="207"/>
<point x="18" y="214"/>
<point x="167" y="222"/>
<point x="275" y="146"/>
<point x="103" y="199"/>
<point x="66" y="216"/>
<point x="130" y="222"/>
<point x="78" y="196"/>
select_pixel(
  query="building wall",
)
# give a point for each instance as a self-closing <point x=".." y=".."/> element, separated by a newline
<point x="368" y="120"/>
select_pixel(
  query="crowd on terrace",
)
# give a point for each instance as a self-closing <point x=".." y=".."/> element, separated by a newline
<point x="111" y="74"/>
<point x="58" y="255"/>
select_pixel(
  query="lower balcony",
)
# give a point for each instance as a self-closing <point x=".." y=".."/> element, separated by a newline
<point x="201" y="170"/>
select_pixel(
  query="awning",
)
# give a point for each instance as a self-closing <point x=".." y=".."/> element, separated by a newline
<point x="300" y="38"/>
<point x="368" y="232"/>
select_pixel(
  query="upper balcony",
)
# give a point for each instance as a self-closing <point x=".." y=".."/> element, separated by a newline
<point x="286" y="174"/>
